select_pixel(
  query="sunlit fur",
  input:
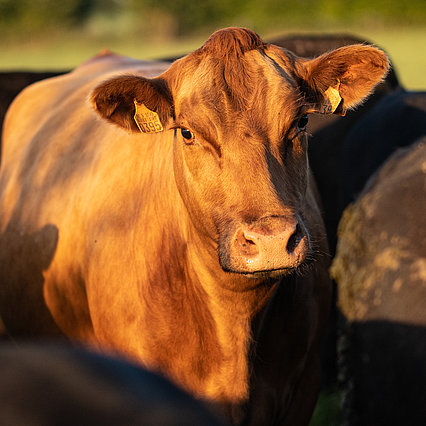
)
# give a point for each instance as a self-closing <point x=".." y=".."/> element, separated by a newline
<point x="115" y="238"/>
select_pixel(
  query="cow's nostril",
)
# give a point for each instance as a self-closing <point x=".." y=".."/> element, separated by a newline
<point x="294" y="239"/>
<point x="246" y="243"/>
<point x="249" y="242"/>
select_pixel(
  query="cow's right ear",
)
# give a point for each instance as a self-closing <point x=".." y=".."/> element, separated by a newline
<point x="134" y="103"/>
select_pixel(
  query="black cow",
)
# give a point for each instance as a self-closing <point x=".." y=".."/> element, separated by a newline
<point x="380" y="268"/>
<point x="59" y="385"/>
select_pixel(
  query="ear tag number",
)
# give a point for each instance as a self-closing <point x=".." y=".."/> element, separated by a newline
<point x="147" y="120"/>
<point x="332" y="101"/>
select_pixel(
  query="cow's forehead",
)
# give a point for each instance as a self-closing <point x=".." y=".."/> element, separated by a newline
<point x="250" y="89"/>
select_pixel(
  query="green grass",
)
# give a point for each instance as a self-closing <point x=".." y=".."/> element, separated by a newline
<point x="328" y="411"/>
<point x="406" y="47"/>
<point x="63" y="51"/>
<point x="407" y="50"/>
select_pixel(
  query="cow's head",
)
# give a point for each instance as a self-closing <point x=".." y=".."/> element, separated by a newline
<point x="238" y="110"/>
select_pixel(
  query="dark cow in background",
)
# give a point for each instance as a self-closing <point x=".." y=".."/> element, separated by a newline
<point x="396" y="121"/>
<point x="380" y="268"/>
<point x="344" y="156"/>
<point x="177" y="221"/>
<point x="59" y="385"/>
<point x="326" y="149"/>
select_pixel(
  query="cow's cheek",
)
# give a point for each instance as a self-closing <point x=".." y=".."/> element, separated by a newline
<point x="197" y="177"/>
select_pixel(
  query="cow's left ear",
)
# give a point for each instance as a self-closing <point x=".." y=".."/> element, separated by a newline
<point x="134" y="103"/>
<point x="341" y="79"/>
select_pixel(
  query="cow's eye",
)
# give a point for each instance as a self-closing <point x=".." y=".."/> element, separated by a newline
<point x="187" y="135"/>
<point x="303" y="122"/>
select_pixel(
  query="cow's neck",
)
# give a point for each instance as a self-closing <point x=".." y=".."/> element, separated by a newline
<point x="212" y="310"/>
<point x="233" y="302"/>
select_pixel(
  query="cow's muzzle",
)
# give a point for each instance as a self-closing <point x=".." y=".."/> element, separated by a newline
<point x="272" y="244"/>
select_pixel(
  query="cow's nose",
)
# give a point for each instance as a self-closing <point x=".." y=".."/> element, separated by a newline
<point x="272" y="243"/>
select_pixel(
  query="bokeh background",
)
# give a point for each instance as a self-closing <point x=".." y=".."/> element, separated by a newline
<point x="53" y="35"/>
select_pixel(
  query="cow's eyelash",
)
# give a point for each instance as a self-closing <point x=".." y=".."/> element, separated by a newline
<point x="298" y="127"/>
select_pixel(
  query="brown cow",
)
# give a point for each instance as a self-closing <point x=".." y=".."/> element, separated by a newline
<point x="186" y="233"/>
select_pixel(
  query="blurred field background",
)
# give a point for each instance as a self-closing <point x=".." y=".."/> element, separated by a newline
<point x="51" y="35"/>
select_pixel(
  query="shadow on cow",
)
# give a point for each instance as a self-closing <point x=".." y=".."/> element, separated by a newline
<point x="38" y="248"/>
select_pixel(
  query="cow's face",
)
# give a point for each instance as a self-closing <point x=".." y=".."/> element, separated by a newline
<point x="238" y="111"/>
<point x="240" y="160"/>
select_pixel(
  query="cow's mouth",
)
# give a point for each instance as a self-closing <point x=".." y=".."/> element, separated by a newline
<point x="273" y="274"/>
<point x="269" y="274"/>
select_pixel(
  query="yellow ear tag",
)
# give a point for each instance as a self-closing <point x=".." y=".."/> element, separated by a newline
<point x="147" y="120"/>
<point x="332" y="100"/>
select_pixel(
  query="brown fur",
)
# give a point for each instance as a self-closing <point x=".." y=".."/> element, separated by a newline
<point x="161" y="240"/>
